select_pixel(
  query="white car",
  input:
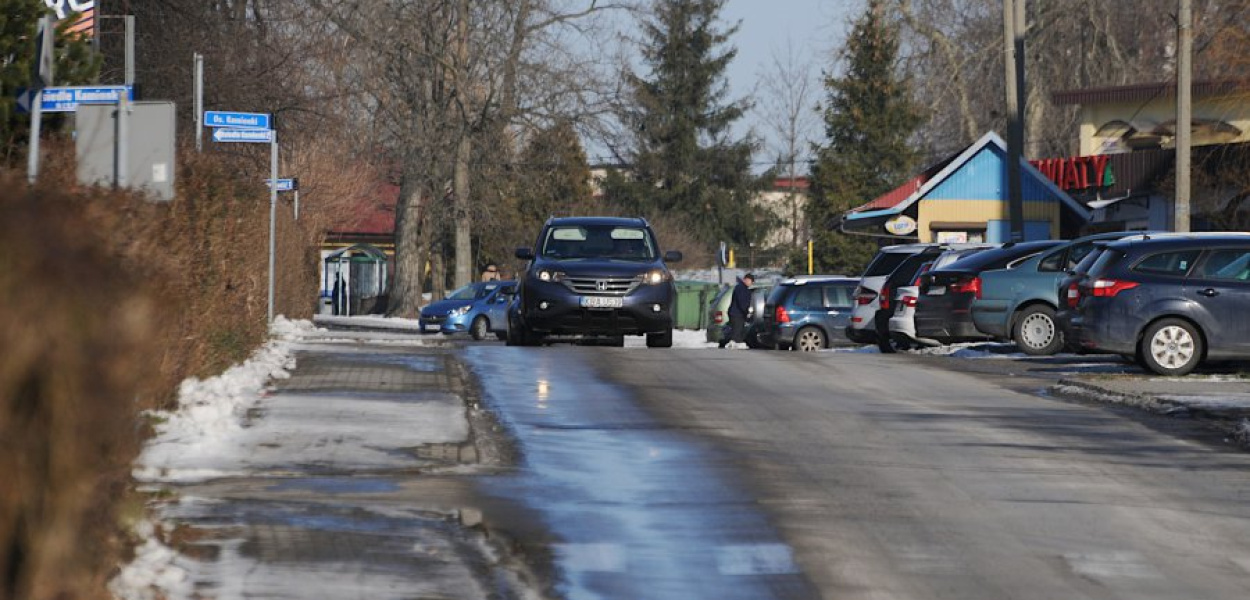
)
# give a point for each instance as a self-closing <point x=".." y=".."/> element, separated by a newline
<point x="863" y="328"/>
<point x="903" y="322"/>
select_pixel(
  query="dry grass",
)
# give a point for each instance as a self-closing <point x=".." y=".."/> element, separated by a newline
<point x="108" y="302"/>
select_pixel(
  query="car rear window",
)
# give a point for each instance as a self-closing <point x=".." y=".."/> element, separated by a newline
<point x="1175" y="263"/>
<point x="1088" y="261"/>
<point x="997" y="258"/>
<point x="1105" y="261"/>
<point x="884" y="263"/>
<point x="807" y="296"/>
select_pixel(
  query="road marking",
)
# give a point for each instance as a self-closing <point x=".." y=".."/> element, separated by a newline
<point x="1111" y="565"/>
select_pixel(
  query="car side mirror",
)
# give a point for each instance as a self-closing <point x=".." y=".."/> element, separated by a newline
<point x="525" y="254"/>
<point x="672" y="256"/>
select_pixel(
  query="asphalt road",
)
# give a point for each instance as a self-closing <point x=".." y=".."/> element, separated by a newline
<point x="850" y="476"/>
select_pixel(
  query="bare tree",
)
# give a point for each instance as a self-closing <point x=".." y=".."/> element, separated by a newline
<point x="788" y="107"/>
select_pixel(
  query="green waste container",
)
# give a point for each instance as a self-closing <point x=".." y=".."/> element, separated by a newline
<point x="690" y="306"/>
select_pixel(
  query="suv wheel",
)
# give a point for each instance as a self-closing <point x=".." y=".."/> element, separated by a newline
<point x="1035" y="331"/>
<point x="809" y="339"/>
<point x="660" y="340"/>
<point x="480" y="328"/>
<point x="1171" y="347"/>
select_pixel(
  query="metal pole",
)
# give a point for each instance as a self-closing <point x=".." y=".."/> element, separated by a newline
<point x="130" y="50"/>
<point x="296" y="205"/>
<point x="1013" y="41"/>
<point x="273" y="214"/>
<point x="36" y="126"/>
<point x="1184" y="114"/>
<point x="121" y="139"/>
<point x="199" y="102"/>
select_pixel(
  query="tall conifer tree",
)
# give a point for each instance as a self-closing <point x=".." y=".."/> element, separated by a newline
<point x="869" y="117"/>
<point x="683" y="161"/>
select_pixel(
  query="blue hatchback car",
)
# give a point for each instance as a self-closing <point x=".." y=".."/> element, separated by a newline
<point x="478" y="308"/>
<point x="808" y="313"/>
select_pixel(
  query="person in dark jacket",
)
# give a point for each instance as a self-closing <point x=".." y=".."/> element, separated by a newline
<point x="739" y="307"/>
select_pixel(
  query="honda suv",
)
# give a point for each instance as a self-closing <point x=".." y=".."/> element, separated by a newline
<point x="594" y="277"/>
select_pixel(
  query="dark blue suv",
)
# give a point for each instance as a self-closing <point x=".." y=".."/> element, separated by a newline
<point x="1170" y="302"/>
<point x="594" y="277"/>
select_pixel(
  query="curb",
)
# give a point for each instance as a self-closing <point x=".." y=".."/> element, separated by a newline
<point x="1237" y="429"/>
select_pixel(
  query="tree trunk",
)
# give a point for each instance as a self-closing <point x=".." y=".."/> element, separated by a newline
<point x="460" y="192"/>
<point x="405" y="294"/>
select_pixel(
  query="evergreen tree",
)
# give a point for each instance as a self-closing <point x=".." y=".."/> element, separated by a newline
<point x="869" y="116"/>
<point x="555" y="177"/>
<point x="75" y="63"/>
<point x="683" y="162"/>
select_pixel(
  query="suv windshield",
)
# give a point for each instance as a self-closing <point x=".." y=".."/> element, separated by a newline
<point x="597" y="241"/>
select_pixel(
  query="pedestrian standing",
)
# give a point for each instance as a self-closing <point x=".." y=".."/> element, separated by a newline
<point x="739" y="308"/>
<point x="491" y="273"/>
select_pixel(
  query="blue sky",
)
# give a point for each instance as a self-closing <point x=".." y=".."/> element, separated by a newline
<point x="814" y="28"/>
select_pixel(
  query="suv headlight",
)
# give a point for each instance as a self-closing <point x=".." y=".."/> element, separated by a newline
<point x="549" y="275"/>
<point x="456" y="312"/>
<point x="655" y="277"/>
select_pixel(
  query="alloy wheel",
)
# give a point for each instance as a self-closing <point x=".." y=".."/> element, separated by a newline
<point x="1037" y="330"/>
<point x="1172" y="347"/>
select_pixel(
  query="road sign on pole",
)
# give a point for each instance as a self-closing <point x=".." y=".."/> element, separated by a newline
<point x="287" y="185"/>
<point x="236" y="120"/>
<point x="255" y="136"/>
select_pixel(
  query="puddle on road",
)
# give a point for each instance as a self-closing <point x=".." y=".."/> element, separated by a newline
<point x="640" y="510"/>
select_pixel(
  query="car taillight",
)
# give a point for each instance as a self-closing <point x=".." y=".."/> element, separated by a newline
<point x="908" y="301"/>
<point x="1108" y="288"/>
<point x="718" y="317"/>
<point x="864" y="296"/>
<point x="967" y="285"/>
<point x="1074" y="295"/>
<point x="885" y="297"/>
<point x="782" y="315"/>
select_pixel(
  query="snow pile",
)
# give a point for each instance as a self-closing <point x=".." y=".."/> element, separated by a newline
<point x="152" y="575"/>
<point x="210" y="412"/>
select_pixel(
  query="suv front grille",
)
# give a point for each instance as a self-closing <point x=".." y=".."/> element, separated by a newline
<point x="608" y="286"/>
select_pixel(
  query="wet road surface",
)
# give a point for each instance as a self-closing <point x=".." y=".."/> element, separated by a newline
<point x="891" y="477"/>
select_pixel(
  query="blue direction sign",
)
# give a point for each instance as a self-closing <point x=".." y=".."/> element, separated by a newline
<point x="287" y="185"/>
<point x="236" y="120"/>
<point x="67" y="99"/>
<point x="256" y="136"/>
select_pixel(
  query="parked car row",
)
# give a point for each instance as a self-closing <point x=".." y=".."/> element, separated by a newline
<point x="1165" y="300"/>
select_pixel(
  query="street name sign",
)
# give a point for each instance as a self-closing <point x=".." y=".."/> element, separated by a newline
<point x="67" y="99"/>
<point x="287" y="185"/>
<point x="236" y="120"/>
<point x="256" y="136"/>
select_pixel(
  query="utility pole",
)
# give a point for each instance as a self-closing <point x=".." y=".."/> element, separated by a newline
<point x="1184" y="112"/>
<point x="198" y="92"/>
<point x="1013" y="40"/>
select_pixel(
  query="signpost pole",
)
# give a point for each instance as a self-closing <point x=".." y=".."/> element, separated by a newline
<point x="36" y="124"/>
<point x="199" y="102"/>
<point x="296" y="204"/>
<point x="273" y="213"/>
<point x="121" y="164"/>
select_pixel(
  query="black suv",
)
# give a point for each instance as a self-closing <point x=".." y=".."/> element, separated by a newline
<point x="594" y="277"/>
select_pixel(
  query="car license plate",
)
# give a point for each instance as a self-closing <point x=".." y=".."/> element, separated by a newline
<point x="937" y="290"/>
<point x="431" y="327"/>
<point x="602" y="302"/>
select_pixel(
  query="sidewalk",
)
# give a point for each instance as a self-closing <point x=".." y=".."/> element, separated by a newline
<point x="1221" y="400"/>
<point x="332" y="464"/>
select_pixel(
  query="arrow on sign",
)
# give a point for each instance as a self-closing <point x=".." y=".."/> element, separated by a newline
<point x="243" y="135"/>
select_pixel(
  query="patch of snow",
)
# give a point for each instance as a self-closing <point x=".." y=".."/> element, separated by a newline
<point x="153" y="574"/>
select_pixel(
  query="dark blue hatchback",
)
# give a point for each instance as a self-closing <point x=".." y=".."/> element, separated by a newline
<point x="808" y="313"/>
<point x="1170" y="302"/>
